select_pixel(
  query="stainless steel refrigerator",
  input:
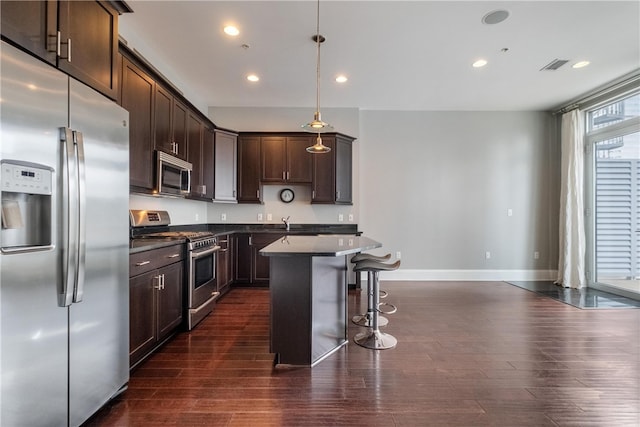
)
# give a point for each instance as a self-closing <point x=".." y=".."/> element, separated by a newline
<point x="64" y="297"/>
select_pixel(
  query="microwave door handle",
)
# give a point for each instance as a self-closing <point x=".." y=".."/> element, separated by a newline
<point x="82" y="208"/>
<point x="68" y="217"/>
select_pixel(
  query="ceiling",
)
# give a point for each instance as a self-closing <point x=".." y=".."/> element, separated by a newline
<point x="398" y="55"/>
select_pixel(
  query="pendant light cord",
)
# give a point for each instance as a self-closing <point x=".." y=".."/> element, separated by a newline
<point x="318" y="58"/>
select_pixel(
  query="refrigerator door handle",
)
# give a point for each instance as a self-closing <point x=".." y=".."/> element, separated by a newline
<point x="82" y="204"/>
<point x="69" y="214"/>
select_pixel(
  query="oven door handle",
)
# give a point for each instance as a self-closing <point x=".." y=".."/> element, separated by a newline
<point x="198" y="254"/>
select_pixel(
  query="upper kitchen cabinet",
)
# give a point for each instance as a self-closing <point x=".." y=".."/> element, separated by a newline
<point x="200" y="157"/>
<point x="79" y="37"/>
<point x="249" y="169"/>
<point x="332" y="172"/>
<point x="284" y="159"/>
<point x="136" y="96"/>
<point x="170" y="124"/>
<point x="226" y="149"/>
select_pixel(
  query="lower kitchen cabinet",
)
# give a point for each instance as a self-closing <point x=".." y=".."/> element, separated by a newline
<point x="155" y="299"/>
<point x="251" y="268"/>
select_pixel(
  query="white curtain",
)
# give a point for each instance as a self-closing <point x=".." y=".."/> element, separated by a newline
<point x="571" y="263"/>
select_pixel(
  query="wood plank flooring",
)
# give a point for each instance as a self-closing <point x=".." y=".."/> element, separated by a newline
<point x="468" y="354"/>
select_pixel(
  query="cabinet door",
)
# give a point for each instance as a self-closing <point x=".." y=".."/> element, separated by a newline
<point x="208" y="163"/>
<point x="225" y="169"/>
<point x="142" y="326"/>
<point x="180" y="130"/>
<point x="137" y="98"/>
<point x="32" y="25"/>
<point x="89" y="32"/>
<point x="299" y="161"/>
<point x="194" y="142"/>
<point x="273" y="157"/>
<point x="242" y="258"/>
<point x="249" y="170"/>
<point x="169" y="297"/>
<point x="163" y="138"/>
<point x="260" y="273"/>
<point x="343" y="171"/>
<point x="324" y="184"/>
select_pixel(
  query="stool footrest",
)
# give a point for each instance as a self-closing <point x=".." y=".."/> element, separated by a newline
<point x="393" y="308"/>
<point x="365" y="320"/>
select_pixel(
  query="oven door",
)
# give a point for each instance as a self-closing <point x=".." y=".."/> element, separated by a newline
<point x="202" y="276"/>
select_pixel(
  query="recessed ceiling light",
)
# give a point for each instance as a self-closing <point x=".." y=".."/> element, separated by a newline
<point x="231" y="30"/>
<point x="253" y="78"/>
<point x="341" y="78"/>
<point x="580" y="64"/>
<point x="495" y="17"/>
<point x="479" y="63"/>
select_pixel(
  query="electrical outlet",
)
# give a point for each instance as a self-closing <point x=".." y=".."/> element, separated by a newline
<point x="197" y="217"/>
<point x="340" y="217"/>
<point x="269" y="217"/>
<point x="536" y="255"/>
<point x="509" y="212"/>
<point x="398" y="255"/>
<point x="350" y="217"/>
<point x="223" y="217"/>
<point x="487" y="255"/>
<point x="260" y="216"/>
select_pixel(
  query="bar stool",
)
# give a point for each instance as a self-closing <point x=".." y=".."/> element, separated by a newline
<point x="373" y="338"/>
<point x="365" y="319"/>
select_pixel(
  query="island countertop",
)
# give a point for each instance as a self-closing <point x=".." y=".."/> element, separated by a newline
<point x="325" y="245"/>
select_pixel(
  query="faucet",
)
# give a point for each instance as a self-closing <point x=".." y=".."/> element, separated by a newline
<point x="286" y="222"/>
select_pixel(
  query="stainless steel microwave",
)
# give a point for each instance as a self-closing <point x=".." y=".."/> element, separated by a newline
<point x="174" y="175"/>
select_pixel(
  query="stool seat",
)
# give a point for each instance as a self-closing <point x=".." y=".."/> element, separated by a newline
<point x="373" y="265"/>
<point x="375" y="339"/>
<point x="361" y="256"/>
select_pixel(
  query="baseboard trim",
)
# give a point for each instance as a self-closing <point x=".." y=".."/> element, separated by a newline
<point x="467" y="275"/>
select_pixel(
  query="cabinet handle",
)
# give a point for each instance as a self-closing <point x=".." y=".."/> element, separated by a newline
<point x="287" y="175"/>
<point x="173" y="256"/>
<point x="258" y="193"/>
<point x="283" y="176"/>
<point x="59" y="44"/>
<point x="68" y="50"/>
<point x="163" y="282"/>
<point x="313" y="194"/>
<point x="234" y="193"/>
<point x="250" y="242"/>
<point x="158" y="286"/>
<point x="140" y="264"/>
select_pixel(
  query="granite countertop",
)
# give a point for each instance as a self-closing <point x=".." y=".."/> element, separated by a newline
<point x="145" y="244"/>
<point x="334" y="245"/>
<point x="142" y="245"/>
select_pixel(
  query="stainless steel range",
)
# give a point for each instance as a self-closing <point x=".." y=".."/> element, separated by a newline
<point x="201" y="284"/>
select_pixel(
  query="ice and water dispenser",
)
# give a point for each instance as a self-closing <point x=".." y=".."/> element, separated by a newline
<point x="25" y="193"/>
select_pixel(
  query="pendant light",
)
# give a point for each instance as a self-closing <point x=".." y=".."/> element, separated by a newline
<point x="317" y="125"/>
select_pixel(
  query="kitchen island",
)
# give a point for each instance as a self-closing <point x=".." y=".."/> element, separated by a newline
<point x="308" y="287"/>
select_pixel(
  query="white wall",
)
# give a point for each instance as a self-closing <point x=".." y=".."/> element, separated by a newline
<point x="437" y="186"/>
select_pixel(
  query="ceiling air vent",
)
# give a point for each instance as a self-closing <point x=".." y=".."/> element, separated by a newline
<point x="554" y="65"/>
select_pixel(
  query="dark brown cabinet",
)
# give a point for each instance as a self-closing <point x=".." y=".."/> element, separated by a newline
<point x="200" y="143"/>
<point x="155" y="299"/>
<point x="251" y="268"/>
<point x="332" y="172"/>
<point x="249" y="169"/>
<point x="208" y="163"/>
<point x="224" y="263"/>
<point x="136" y="96"/>
<point x="284" y="159"/>
<point x="170" y="124"/>
<point x="79" y="37"/>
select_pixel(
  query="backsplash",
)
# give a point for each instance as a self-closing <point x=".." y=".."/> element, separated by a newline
<point x="300" y="211"/>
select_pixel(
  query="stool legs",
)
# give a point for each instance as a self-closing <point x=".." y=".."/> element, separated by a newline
<point x="375" y="339"/>
<point x="366" y="319"/>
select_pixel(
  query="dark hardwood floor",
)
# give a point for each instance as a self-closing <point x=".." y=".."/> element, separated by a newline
<point x="468" y="354"/>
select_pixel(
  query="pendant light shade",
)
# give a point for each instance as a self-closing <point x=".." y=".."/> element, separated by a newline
<point x="318" y="147"/>
<point x="317" y="125"/>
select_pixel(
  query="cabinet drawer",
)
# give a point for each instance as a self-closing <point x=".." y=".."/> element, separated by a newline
<point x="143" y="262"/>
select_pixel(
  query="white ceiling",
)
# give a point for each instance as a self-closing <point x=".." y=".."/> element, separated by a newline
<point x="398" y="55"/>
